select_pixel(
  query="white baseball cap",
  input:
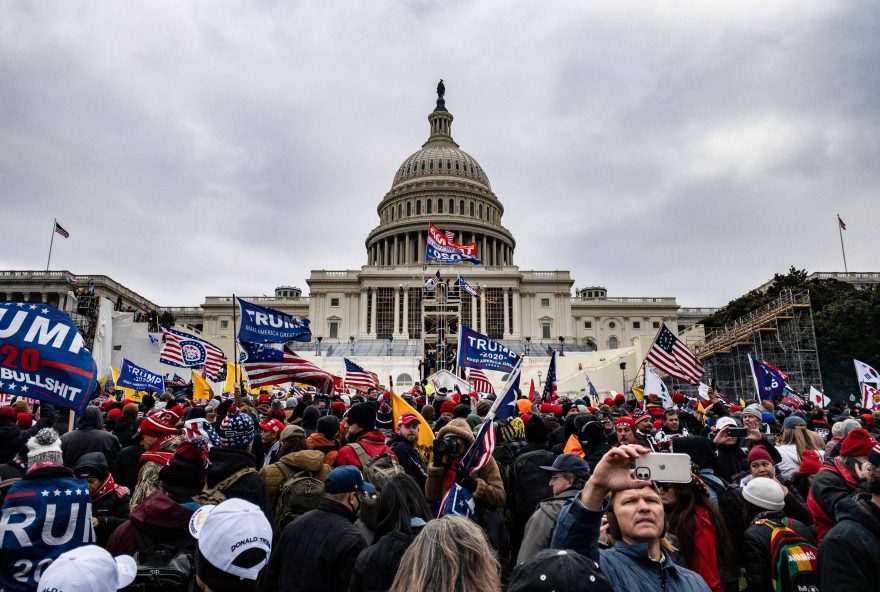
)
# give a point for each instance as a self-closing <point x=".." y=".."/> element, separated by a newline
<point x="726" y="422"/>
<point x="88" y="569"/>
<point x="226" y="530"/>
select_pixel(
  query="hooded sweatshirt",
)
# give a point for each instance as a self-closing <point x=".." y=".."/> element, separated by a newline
<point x="159" y="517"/>
<point x="89" y="436"/>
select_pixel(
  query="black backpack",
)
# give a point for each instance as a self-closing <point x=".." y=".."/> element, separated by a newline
<point x="166" y="567"/>
<point x="731" y="505"/>
<point x="530" y="484"/>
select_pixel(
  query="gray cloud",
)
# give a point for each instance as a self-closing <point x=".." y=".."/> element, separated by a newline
<point x="684" y="149"/>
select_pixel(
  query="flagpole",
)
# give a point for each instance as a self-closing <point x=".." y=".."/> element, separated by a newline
<point x="51" y="242"/>
<point x="842" y="250"/>
<point x="238" y="381"/>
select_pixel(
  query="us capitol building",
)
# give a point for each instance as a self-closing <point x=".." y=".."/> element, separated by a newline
<point x="383" y="315"/>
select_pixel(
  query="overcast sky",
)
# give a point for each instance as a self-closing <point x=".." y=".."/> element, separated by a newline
<point x="686" y="149"/>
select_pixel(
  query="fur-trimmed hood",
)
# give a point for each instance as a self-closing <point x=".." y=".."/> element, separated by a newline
<point x="458" y="427"/>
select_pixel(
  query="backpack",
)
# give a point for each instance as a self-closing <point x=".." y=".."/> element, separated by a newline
<point x="213" y="496"/>
<point x="794" y="561"/>
<point x="166" y="567"/>
<point x="529" y="483"/>
<point x="731" y="505"/>
<point x="377" y="471"/>
<point x="299" y="493"/>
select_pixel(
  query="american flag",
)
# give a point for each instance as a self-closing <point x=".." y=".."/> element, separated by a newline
<point x="549" y="394"/>
<point x="480" y="382"/>
<point x="674" y="358"/>
<point x="61" y="230"/>
<point x="187" y="351"/>
<point x="266" y="366"/>
<point x="358" y="378"/>
<point x="480" y="452"/>
<point x="450" y="236"/>
<point x="593" y="391"/>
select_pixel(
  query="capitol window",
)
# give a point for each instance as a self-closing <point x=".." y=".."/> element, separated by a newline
<point x="612" y="325"/>
<point x="656" y="324"/>
<point x="461" y="207"/>
<point x="409" y="208"/>
<point x="472" y="209"/>
<point x="334" y="302"/>
<point x="588" y="324"/>
<point x="545" y="302"/>
<point x="429" y="207"/>
<point x="451" y="206"/>
<point x="334" y="330"/>
<point x="637" y="325"/>
<point x="224" y="324"/>
<point x="612" y="342"/>
<point x="418" y="208"/>
<point x="545" y="330"/>
<point x="439" y="206"/>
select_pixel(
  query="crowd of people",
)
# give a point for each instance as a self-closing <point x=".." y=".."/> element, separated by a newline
<point x="300" y="491"/>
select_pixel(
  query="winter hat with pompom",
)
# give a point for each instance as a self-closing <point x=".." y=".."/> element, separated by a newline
<point x="44" y="448"/>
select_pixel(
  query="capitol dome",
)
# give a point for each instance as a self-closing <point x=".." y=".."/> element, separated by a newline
<point x="442" y="184"/>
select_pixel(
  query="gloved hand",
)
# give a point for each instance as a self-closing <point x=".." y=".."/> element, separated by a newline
<point x="467" y="482"/>
<point x="439" y="457"/>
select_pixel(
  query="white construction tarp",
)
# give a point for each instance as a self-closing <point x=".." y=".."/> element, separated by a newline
<point x="448" y="380"/>
<point x="102" y="347"/>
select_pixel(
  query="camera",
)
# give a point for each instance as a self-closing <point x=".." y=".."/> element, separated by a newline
<point x="446" y="446"/>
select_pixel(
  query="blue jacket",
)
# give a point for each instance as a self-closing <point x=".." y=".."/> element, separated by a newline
<point x="627" y="567"/>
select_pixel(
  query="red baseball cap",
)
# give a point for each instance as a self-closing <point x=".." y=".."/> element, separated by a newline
<point x="408" y="418"/>
<point x="272" y="425"/>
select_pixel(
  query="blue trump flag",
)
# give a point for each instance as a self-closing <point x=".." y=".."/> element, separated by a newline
<point x="476" y="350"/>
<point x="41" y="519"/>
<point x="140" y="379"/>
<point x="44" y="356"/>
<point x="267" y="325"/>
<point x="769" y="381"/>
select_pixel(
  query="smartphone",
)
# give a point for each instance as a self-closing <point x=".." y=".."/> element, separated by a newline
<point x="737" y="432"/>
<point x="664" y="467"/>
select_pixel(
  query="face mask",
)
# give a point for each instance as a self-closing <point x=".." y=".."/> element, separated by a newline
<point x="356" y="510"/>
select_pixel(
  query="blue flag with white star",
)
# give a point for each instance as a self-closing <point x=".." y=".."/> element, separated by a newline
<point x="44" y="356"/>
<point x="42" y="518"/>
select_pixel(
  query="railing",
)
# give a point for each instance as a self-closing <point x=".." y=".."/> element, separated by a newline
<point x="81" y="282"/>
<point x="209" y="300"/>
<point x="628" y="300"/>
<point x="845" y="276"/>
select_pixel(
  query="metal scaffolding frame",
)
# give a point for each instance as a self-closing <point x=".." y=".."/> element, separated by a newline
<point x="441" y="320"/>
<point x="780" y="332"/>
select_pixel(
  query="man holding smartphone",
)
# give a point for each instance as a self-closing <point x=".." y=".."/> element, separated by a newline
<point x="637" y="561"/>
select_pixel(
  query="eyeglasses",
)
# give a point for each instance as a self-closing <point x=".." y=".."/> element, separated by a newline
<point x="664" y="486"/>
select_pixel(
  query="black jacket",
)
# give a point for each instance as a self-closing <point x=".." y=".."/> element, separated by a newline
<point x="316" y="552"/>
<point x="251" y="487"/>
<point x="124" y="429"/>
<point x="755" y="552"/>
<point x="409" y="458"/>
<point x="128" y="463"/>
<point x="89" y="436"/>
<point x="848" y="557"/>
<point x="376" y="566"/>
<point x="112" y="509"/>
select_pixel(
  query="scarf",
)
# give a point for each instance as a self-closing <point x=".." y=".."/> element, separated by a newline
<point x="108" y="487"/>
<point x="155" y="456"/>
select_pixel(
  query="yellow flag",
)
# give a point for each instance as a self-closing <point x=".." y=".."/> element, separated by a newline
<point x="230" y="376"/>
<point x="639" y="393"/>
<point x="701" y="412"/>
<point x="742" y="403"/>
<point x="399" y="407"/>
<point x="201" y="388"/>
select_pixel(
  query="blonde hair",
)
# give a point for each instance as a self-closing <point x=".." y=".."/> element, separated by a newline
<point x="449" y="555"/>
<point x="802" y="438"/>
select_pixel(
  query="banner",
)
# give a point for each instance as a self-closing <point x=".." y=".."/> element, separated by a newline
<point x="476" y="350"/>
<point x="43" y="356"/>
<point x="870" y="397"/>
<point x="139" y="379"/>
<point x="41" y="519"/>
<point x="441" y="248"/>
<point x="818" y="398"/>
<point x="425" y="442"/>
<point x="267" y="325"/>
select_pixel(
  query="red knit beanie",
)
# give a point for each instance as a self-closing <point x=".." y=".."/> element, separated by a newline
<point x="626" y="420"/>
<point x="810" y="463"/>
<point x="857" y="443"/>
<point x="114" y="414"/>
<point x="759" y="453"/>
<point x="447" y="407"/>
<point x="159" y="423"/>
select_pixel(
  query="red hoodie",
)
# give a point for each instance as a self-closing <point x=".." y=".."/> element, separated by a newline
<point x="374" y="445"/>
